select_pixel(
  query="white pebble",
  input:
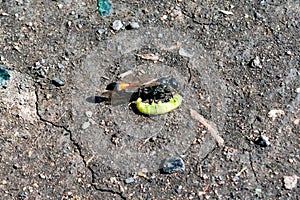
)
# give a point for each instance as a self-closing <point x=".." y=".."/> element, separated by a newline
<point x="185" y="53"/>
<point x="117" y="25"/>
<point x="85" y="125"/>
<point x="134" y="25"/>
<point x="89" y="113"/>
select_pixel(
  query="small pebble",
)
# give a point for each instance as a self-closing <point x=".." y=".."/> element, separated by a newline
<point x="256" y="62"/>
<point x="129" y="180"/>
<point x="164" y="17"/>
<point x="101" y="31"/>
<point x="298" y="90"/>
<point x="185" y="53"/>
<point x="22" y="86"/>
<point x="57" y="82"/>
<point x="290" y="182"/>
<point x="235" y="178"/>
<point x="60" y="6"/>
<point x="41" y="73"/>
<point x="258" y="192"/>
<point x="60" y="66"/>
<point x="178" y="189"/>
<point x="171" y="165"/>
<point x="289" y="53"/>
<point x="134" y="25"/>
<point x="17" y="166"/>
<point x="263" y="141"/>
<point x="42" y="176"/>
<point x="275" y="113"/>
<point x="89" y="113"/>
<point x="117" y="25"/>
<point x="85" y="125"/>
<point x="4" y="76"/>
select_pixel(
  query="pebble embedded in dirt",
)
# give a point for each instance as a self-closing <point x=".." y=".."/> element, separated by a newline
<point x="263" y="141"/>
<point x="171" y="165"/>
<point x="57" y="82"/>
<point x="290" y="182"/>
<point x="117" y="25"/>
<point x="60" y="66"/>
<point x="101" y="31"/>
<point x="134" y="25"/>
<point x="256" y="62"/>
<point x="85" y="125"/>
<point x="4" y="76"/>
<point x="186" y="53"/>
<point x="89" y="113"/>
<point x="275" y="113"/>
<point x="129" y="180"/>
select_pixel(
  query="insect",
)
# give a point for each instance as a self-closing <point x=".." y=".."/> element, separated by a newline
<point x="155" y="89"/>
<point x="159" y="91"/>
<point x="160" y="107"/>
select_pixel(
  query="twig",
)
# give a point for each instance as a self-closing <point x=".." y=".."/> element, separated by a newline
<point x="211" y="127"/>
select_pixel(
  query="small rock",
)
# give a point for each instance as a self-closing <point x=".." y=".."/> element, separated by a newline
<point x="258" y="15"/>
<point x="256" y="62"/>
<point x="41" y="73"/>
<point x="60" y="66"/>
<point x="258" y="192"/>
<point x="290" y="182"/>
<point x="17" y="166"/>
<point x="42" y="176"/>
<point x="101" y="31"/>
<point x="4" y="76"/>
<point x="92" y="121"/>
<point x="298" y="90"/>
<point x="171" y="165"/>
<point x="185" y="53"/>
<point x="134" y="25"/>
<point x="23" y="195"/>
<point x="275" y="113"/>
<point x="235" y="178"/>
<point x="117" y="25"/>
<point x="129" y="180"/>
<point x="263" y="141"/>
<point x="164" y="17"/>
<point x="85" y="125"/>
<point x="89" y="113"/>
<point x="178" y="189"/>
<point x="296" y="121"/>
<point x="22" y="86"/>
<point x="57" y="82"/>
<point x="60" y="6"/>
<point x="226" y="12"/>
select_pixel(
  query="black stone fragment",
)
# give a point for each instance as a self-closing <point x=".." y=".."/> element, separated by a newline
<point x="173" y="164"/>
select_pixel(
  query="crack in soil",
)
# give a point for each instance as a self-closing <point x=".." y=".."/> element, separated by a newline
<point x="76" y="144"/>
<point x="252" y="168"/>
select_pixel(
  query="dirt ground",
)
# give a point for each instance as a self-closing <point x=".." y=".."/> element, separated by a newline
<point x="237" y="64"/>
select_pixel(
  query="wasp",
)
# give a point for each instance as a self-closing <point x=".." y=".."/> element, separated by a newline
<point x="154" y="90"/>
